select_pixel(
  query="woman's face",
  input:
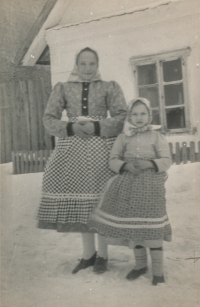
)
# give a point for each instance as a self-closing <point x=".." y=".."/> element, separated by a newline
<point x="87" y="65"/>
<point x="139" y="115"/>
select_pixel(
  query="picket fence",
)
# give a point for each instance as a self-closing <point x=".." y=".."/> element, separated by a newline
<point x="35" y="161"/>
<point x="32" y="161"/>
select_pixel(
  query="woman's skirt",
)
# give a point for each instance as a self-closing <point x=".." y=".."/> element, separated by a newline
<point x="73" y="181"/>
<point x="133" y="209"/>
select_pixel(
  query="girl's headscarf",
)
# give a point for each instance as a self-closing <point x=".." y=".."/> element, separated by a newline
<point x="129" y="128"/>
<point x="75" y="77"/>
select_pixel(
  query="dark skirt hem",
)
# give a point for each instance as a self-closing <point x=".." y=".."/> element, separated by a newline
<point x="65" y="227"/>
<point x="132" y="234"/>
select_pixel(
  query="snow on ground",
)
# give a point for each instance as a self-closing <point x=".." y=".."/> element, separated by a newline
<point x="37" y="264"/>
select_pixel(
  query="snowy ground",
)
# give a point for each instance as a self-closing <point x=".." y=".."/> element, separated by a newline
<point x="37" y="264"/>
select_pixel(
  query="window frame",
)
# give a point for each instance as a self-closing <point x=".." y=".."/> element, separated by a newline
<point x="158" y="59"/>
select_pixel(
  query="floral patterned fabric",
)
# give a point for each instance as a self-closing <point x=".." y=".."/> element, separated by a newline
<point x="103" y="96"/>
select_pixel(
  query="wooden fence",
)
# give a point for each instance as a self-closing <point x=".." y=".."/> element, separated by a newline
<point x="35" y="161"/>
<point x="22" y="107"/>
<point x="181" y="153"/>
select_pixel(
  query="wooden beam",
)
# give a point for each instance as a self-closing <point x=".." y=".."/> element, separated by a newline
<point x="35" y="29"/>
<point x="7" y="118"/>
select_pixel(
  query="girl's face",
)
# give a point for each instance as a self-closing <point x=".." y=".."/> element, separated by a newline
<point x="139" y="115"/>
<point x="87" y="65"/>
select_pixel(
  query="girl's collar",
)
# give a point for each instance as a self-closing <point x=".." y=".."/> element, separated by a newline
<point x="129" y="129"/>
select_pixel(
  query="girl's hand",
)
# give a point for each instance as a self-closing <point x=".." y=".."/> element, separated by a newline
<point x="143" y="164"/>
<point x="131" y="169"/>
<point x="79" y="131"/>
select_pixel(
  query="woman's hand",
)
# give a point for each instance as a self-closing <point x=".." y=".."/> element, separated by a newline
<point x="88" y="127"/>
<point x="83" y="129"/>
<point x="78" y="131"/>
<point x="143" y="164"/>
<point x="131" y="169"/>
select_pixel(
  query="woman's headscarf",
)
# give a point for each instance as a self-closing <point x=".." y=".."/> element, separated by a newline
<point x="130" y="129"/>
<point x="75" y="77"/>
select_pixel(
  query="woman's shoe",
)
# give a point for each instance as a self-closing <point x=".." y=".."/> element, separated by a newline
<point x="100" y="265"/>
<point x="84" y="264"/>
<point x="158" y="279"/>
<point x="136" y="273"/>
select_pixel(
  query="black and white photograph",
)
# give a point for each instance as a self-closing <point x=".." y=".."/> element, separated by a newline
<point x="100" y="153"/>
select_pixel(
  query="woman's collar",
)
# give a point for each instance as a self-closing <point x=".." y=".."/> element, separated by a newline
<point x="74" y="76"/>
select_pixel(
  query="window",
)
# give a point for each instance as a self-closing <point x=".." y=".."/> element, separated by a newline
<point x="162" y="80"/>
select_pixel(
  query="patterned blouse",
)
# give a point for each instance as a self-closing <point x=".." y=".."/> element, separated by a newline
<point x="86" y="99"/>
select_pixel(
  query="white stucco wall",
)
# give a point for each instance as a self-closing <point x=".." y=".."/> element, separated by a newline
<point x="117" y="39"/>
<point x="78" y="11"/>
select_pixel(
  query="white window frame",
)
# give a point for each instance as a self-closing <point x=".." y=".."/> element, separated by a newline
<point x="157" y="59"/>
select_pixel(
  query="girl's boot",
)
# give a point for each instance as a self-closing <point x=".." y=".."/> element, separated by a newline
<point x="141" y="263"/>
<point x="157" y="265"/>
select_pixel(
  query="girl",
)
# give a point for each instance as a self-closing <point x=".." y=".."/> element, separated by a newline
<point x="78" y="169"/>
<point x="132" y="210"/>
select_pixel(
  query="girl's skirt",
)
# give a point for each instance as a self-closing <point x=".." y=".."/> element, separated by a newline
<point x="133" y="210"/>
<point x="73" y="181"/>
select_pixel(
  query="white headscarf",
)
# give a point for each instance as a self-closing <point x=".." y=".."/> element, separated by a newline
<point x="130" y="129"/>
<point x="75" y="77"/>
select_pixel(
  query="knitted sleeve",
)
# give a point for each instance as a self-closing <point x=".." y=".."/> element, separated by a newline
<point x="164" y="161"/>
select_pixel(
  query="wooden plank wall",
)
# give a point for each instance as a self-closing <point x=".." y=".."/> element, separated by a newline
<point x="22" y="107"/>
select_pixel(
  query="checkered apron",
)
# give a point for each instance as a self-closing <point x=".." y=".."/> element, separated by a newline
<point x="73" y="181"/>
<point x="133" y="208"/>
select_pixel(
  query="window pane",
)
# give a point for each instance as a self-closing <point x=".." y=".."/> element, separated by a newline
<point x="172" y="70"/>
<point x="147" y="74"/>
<point x="151" y="94"/>
<point x="173" y="94"/>
<point x="156" y="117"/>
<point x="175" y="118"/>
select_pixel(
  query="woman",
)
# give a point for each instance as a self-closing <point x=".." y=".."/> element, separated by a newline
<point x="78" y="168"/>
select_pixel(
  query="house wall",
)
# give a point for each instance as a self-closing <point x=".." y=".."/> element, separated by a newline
<point x="154" y="30"/>
<point x="79" y="11"/>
